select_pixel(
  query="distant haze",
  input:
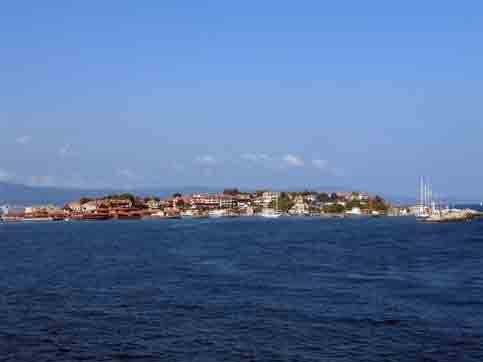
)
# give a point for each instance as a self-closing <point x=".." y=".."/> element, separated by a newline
<point x="155" y="94"/>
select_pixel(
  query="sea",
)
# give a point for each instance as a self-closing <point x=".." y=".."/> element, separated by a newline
<point x="242" y="289"/>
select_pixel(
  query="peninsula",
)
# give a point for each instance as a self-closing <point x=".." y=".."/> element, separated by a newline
<point x="230" y="203"/>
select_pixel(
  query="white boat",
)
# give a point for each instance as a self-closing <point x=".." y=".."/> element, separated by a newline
<point x="271" y="213"/>
<point x="356" y="211"/>
<point x="217" y="213"/>
<point x="38" y="219"/>
<point x="187" y="214"/>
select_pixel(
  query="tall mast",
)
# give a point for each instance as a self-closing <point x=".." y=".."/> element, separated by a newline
<point x="425" y="194"/>
<point x="421" y="191"/>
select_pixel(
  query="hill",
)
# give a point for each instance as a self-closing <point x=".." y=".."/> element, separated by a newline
<point x="16" y="194"/>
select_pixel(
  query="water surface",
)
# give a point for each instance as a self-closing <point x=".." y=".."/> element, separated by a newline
<point x="297" y="289"/>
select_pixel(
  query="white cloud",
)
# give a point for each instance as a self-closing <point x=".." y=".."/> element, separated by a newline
<point x="293" y="161"/>
<point x="254" y="157"/>
<point x="206" y="160"/>
<point x="321" y="164"/>
<point x="128" y="174"/>
<point x="64" y="150"/>
<point x="5" y="175"/>
<point x="23" y="140"/>
<point x="42" y="181"/>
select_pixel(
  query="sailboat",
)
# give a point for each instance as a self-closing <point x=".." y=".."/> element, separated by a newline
<point x="271" y="213"/>
<point x="423" y="212"/>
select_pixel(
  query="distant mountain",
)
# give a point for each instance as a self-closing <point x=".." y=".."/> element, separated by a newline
<point x="16" y="194"/>
<point x="22" y="195"/>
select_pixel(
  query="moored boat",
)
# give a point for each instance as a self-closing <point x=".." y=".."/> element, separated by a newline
<point x="270" y="214"/>
<point x="217" y="213"/>
<point x="95" y="216"/>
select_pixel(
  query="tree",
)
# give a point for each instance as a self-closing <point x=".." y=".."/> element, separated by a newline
<point x="180" y="204"/>
<point x="377" y="203"/>
<point x="128" y="196"/>
<point x="176" y="195"/>
<point x="334" y="209"/>
<point x="284" y="203"/>
<point x="324" y="197"/>
<point x="231" y="192"/>
<point x="83" y="200"/>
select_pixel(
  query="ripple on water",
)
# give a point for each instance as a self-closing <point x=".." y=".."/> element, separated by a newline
<point x="241" y="290"/>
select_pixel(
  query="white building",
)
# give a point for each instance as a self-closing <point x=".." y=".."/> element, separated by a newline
<point x="268" y="197"/>
<point x="354" y="211"/>
<point x="300" y="206"/>
<point x="90" y="206"/>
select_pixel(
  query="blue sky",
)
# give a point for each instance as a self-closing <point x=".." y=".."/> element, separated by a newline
<point x="369" y="95"/>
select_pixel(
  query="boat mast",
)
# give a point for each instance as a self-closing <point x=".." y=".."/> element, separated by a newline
<point x="421" y="192"/>
<point x="425" y="195"/>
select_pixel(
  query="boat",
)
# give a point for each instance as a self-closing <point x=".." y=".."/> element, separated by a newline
<point x="217" y="213"/>
<point x="129" y="216"/>
<point x="188" y="214"/>
<point x="449" y="217"/>
<point x="200" y="215"/>
<point x="424" y="209"/>
<point x="37" y="217"/>
<point x="271" y="213"/>
<point x="12" y="218"/>
<point x="232" y="214"/>
<point x="95" y="216"/>
<point x="355" y="211"/>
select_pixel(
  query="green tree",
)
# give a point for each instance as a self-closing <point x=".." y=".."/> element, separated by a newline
<point x="377" y="203"/>
<point x="284" y="203"/>
<point x="334" y="209"/>
<point x="231" y="192"/>
<point x="180" y="204"/>
<point x="260" y="192"/>
<point x="128" y="196"/>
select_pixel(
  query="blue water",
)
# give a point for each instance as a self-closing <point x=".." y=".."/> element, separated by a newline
<point x="242" y="290"/>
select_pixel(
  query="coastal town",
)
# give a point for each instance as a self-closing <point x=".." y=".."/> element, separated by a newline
<point x="230" y="203"/>
<point x="236" y="203"/>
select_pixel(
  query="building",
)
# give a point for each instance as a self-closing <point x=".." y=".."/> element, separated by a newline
<point x="92" y="206"/>
<point x="74" y="206"/>
<point x="207" y="201"/>
<point x="300" y="206"/>
<point x="153" y="204"/>
<point x="268" y="197"/>
<point x="118" y="203"/>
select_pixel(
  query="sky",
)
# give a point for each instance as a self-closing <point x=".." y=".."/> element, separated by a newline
<point x="368" y="95"/>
